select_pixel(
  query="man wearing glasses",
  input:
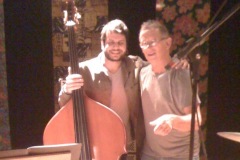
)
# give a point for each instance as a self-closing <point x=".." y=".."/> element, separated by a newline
<point x="166" y="99"/>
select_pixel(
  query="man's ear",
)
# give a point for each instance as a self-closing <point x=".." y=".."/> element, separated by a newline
<point x="169" y="42"/>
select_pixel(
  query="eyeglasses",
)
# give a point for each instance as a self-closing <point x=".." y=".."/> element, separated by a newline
<point x="146" y="45"/>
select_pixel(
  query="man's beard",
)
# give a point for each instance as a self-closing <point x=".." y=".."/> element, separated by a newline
<point x="107" y="55"/>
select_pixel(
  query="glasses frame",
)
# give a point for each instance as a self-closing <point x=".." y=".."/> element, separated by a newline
<point x="146" y="45"/>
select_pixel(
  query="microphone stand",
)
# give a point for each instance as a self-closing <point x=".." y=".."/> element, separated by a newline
<point x="187" y="52"/>
<point x="194" y="65"/>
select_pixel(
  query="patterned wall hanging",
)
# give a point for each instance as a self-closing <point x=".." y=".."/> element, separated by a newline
<point x="93" y="15"/>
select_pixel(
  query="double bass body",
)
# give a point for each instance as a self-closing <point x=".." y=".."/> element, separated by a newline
<point x="106" y="131"/>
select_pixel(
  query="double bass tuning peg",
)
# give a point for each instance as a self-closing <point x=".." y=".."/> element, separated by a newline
<point x="71" y="15"/>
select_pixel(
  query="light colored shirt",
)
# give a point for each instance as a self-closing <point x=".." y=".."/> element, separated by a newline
<point x="119" y="100"/>
<point x="166" y="93"/>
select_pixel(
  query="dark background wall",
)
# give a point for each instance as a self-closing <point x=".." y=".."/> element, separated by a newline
<point x="223" y="86"/>
<point x="30" y="70"/>
<point x="133" y="13"/>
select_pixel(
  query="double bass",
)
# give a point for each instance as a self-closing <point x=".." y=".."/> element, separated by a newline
<point x="82" y="120"/>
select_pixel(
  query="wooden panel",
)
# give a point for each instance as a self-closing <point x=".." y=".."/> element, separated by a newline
<point x="56" y="156"/>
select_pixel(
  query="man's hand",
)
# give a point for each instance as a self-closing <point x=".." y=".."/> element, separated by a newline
<point x="178" y="63"/>
<point x="73" y="82"/>
<point x="163" y="125"/>
<point x="181" y="64"/>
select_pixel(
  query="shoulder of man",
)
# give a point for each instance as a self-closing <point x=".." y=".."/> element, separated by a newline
<point x="88" y="62"/>
<point x="180" y="74"/>
<point x="145" y="69"/>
